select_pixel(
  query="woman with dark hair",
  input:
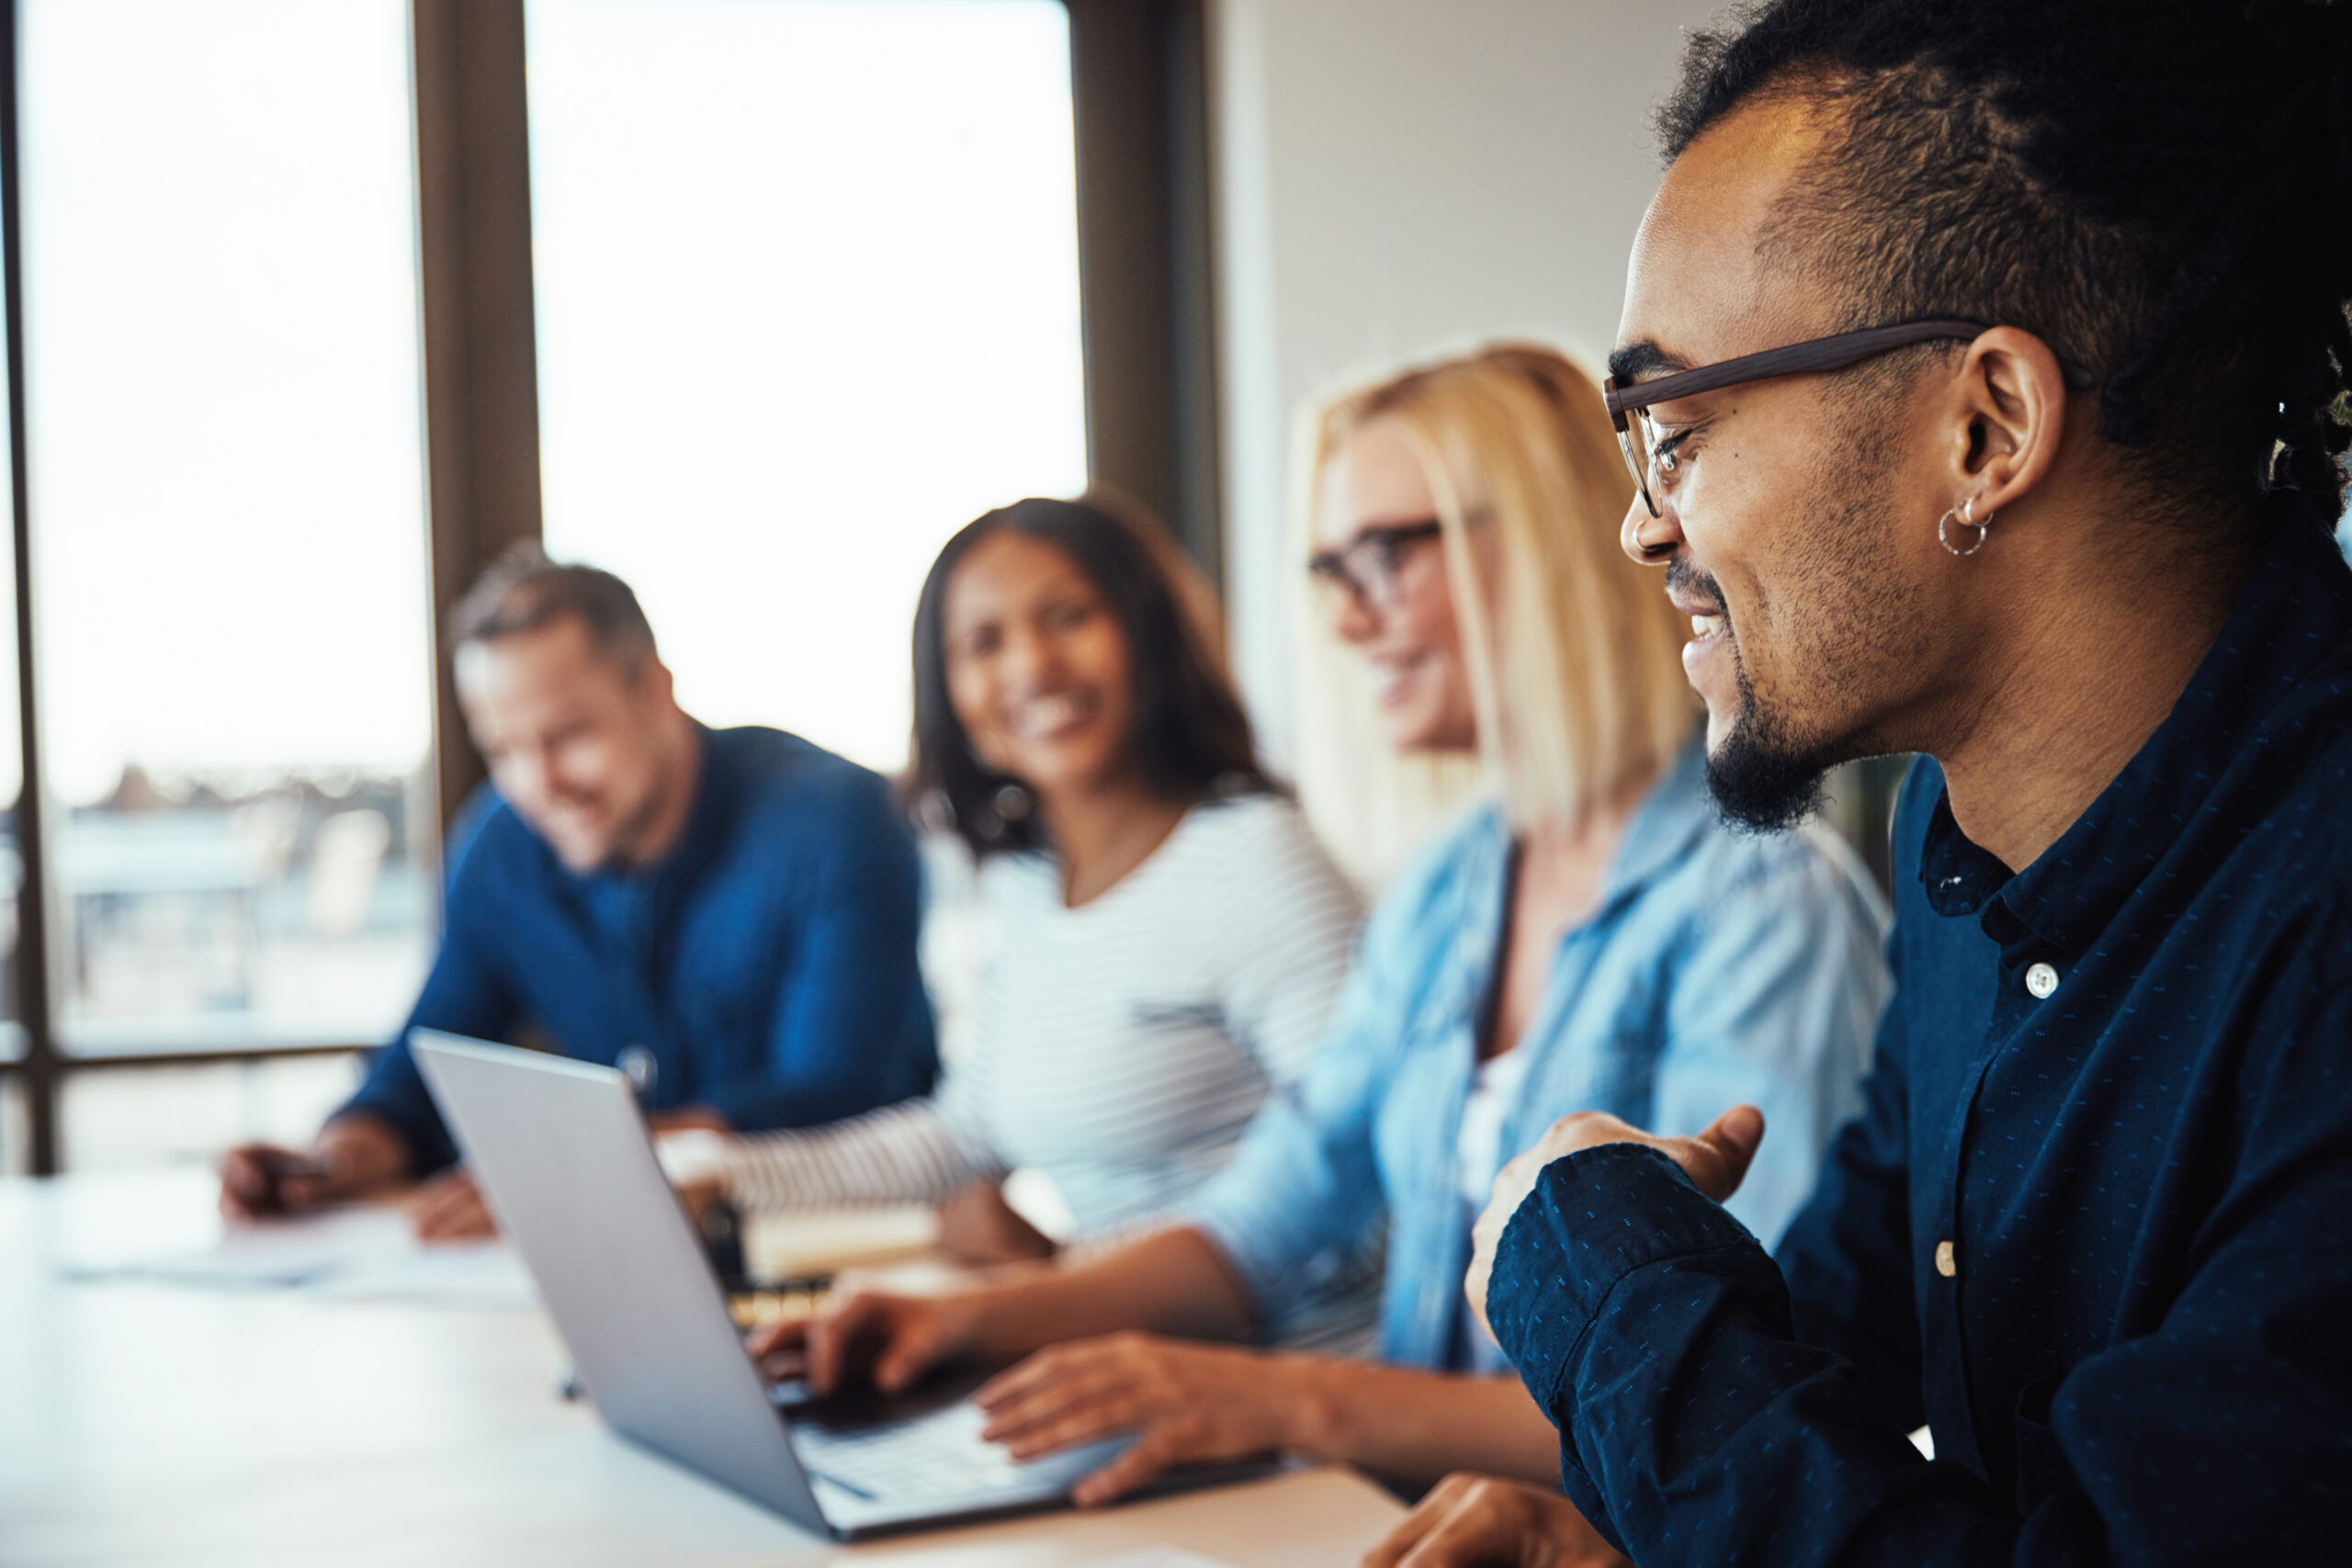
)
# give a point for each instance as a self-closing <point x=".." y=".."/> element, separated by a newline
<point x="1189" y="740"/>
<point x="1168" y="936"/>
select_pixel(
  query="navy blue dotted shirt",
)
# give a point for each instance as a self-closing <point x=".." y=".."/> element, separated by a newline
<point x="2094" y="1226"/>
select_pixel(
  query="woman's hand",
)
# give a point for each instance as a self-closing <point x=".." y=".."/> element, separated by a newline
<point x="1475" y="1521"/>
<point x="894" y="1338"/>
<point x="1716" y="1161"/>
<point x="1190" y="1402"/>
<point x="978" y="1229"/>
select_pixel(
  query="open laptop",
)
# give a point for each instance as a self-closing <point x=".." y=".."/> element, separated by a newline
<point x="563" y="1157"/>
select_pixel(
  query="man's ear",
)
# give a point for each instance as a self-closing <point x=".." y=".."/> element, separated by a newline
<point x="2007" y="419"/>
<point x="655" y="684"/>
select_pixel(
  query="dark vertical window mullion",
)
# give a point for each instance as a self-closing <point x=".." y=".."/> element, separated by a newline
<point x="41" y="1067"/>
<point x="481" y="350"/>
<point x="1137" y="86"/>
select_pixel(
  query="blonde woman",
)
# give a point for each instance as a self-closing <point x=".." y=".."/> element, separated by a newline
<point x="1593" y="938"/>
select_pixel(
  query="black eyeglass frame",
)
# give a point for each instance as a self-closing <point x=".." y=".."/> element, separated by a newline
<point x="1331" y="566"/>
<point x="1813" y="357"/>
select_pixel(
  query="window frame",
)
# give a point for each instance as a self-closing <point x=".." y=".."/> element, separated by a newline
<point x="1139" y="100"/>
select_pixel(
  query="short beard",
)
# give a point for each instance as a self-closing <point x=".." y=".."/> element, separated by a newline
<point x="1765" y="777"/>
<point x="1763" y="782"/>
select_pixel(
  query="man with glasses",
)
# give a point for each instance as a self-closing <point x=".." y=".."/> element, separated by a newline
<point x="1983" y="369"/>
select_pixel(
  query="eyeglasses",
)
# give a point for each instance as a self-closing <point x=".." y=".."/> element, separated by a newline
<point x="1628" y="405"/>
<point x="1365" y="570"/>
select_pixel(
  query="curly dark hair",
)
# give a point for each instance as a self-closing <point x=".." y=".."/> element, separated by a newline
<point x="2160" y="189"/>
<point x="1191" y="738"/>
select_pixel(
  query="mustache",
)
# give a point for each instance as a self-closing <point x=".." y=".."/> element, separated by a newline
<point x="1682" y="577"/>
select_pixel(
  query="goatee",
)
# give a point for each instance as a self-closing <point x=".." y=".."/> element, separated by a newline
<point x="1762" y="782"/>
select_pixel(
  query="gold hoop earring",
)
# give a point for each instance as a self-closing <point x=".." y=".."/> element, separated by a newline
<point x="1966" y="512"/>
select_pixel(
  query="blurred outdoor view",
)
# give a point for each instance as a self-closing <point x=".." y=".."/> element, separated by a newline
<point x="227" y="503"/>
<point x="807" y="302"/>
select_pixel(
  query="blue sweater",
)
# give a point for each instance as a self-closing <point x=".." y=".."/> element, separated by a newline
<point x="767" y="964"/>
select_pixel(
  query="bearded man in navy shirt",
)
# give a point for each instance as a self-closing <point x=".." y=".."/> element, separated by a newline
<point x="729" y="916"/>
<point x="2064" y="528"/>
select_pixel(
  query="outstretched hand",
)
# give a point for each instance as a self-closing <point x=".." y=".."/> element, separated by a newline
<point x="1715" y="1162"/>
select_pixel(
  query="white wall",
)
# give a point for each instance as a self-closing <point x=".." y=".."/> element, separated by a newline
<point x="1397" y="175"/>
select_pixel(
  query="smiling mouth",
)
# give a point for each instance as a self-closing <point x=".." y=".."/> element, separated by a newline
<point x="1694" y="593"/>
<point x="1392" y="678"/>
<point x="1042" y="718"/>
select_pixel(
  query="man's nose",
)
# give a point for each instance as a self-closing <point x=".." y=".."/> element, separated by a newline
<point x="1649" y="540"/>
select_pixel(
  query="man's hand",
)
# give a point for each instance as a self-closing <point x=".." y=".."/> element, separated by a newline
<point x="352" y="1154"/>
<point x="1189" y="1402"/>
<point x="893" y="1339"/>
<point x="449" y="1208"/>
<point x="1716" y="1161"/>
<point x="258" y="1180"/>
<point x="1475" y="1521"/>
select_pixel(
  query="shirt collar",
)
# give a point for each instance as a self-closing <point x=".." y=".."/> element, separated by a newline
<point x="714" y="793"/>
<point x="1672" y="815"/>
<point x="2294" y="610"/>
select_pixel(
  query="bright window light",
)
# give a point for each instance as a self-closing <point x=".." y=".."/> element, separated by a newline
<point x="807" y="294"/>
<point x="227" y="517"/>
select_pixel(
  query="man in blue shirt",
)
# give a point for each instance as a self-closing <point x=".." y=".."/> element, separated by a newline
<point x="2064" y="530"/>
<point x="729" y="916"/>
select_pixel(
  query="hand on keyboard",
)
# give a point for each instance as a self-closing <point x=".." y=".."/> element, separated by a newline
<point x="1190" y="1404"/>
<point x="895" y="1339"/>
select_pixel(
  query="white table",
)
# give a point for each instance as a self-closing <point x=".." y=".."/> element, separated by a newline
<point x="146" y="1423"/>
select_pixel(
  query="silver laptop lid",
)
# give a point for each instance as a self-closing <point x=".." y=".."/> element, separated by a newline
<point x="563" y="1157"/>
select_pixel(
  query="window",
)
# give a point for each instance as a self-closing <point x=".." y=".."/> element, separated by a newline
<point x="797" y="294"/>
<point x="225" y="478"/>
<point x="807" y="299"/>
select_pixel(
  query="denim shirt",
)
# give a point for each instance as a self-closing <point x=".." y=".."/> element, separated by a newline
<point x="2095" y="1226"/>
<point x="1717" y="967"/>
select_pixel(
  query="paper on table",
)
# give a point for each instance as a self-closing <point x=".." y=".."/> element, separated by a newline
<point x="363" y="1253"/>
<point x="262" y="1253"/>
<point x="1157" y="1557"/>
<point x="485" y="1274"/>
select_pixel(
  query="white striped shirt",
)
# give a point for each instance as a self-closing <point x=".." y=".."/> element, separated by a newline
<point x="1121" y="1046"/>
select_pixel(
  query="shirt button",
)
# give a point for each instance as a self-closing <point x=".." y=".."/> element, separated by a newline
<point x="1947" y="1263"/>
<point x="637" y="1065"/>
<point x="2041" y="980"/>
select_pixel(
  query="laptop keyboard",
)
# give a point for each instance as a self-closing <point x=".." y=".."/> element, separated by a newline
<point x="939" y="1455"/>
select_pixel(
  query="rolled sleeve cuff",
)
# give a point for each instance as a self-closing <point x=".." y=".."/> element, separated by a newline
<point x="1593" y="1218"/>
<point x="1240" y="1229"/>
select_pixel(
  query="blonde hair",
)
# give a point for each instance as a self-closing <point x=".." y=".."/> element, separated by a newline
<point x="1573" y="654"/>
